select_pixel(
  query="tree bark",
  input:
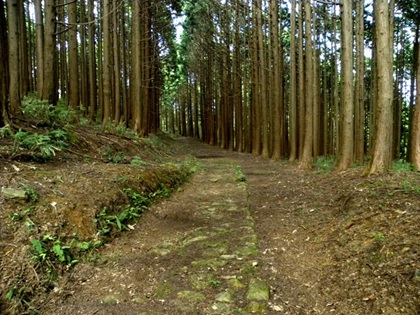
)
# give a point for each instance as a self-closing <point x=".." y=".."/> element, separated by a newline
<point x="381" y="155"/>
<point x="14" y="58"/>
<point x="49" y="91"/>
<point x="73" y="56"/>
<point x="307" y="155"/>
<point x="345" y="157"/>
<point x="293" y="121"/>
<point x="415" y="126"/>
<point x="4" y="71"/>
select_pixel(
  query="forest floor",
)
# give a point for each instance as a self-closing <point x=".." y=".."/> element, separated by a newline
<point x="242" y="235"/>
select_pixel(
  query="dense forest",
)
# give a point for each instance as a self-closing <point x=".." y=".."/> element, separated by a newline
<point x="282" y="79"/>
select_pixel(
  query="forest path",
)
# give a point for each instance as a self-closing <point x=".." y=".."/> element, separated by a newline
<point x="211" y="248"/>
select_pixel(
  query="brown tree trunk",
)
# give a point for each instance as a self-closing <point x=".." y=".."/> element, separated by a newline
<point x="49" y="91"/>
<point x="277" y="88"/>
<point x="4" y="70"/>
<point x="293" y="120"/>
<point x="359" y="115"/>
<point x="117" y="63"/>
<point x="307" y="155"/>
<point x="415" y="125"/>
<point x="381" y="155"/>
<point x="73" y="57"/>
<point x="92" y="64"/>
<point x="106" y="79"/>
<point x="345" y="156"/>
<point x="14" y="57"/>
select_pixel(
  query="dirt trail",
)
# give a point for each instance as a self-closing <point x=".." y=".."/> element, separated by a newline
<point x="244" y="236"/>
<point x="196" y="253"/>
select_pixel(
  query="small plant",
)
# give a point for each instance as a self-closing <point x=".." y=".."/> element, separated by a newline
<point x="410" y="188"/>
<point x="112" y="156"/>
<point x="215" y="283"/>
<point x="46" y="145"/>
<point x="30" y="193"/>
<point x="47" y="114"/>
<point x="324" y="164"/>
<point x="401" y="165"/>
<point x="137" y="161"/>
<point x="50" y="249"/>
<point x="240" y="176"/>
<point x="379" y="236"/>
<point x="6" y="132"/>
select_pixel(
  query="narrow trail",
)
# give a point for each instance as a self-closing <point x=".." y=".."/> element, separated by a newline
<point x="197" y="252"/>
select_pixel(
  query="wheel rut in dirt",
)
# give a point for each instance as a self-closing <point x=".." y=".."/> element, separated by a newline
<point x="196" y="253"/>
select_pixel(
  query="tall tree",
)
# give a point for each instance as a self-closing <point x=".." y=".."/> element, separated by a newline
<point x="381" y="155"/>
<point x="277" y="88"/>
<point x="4" y="71"/>
<point x="73" y="56"/>
<point x="307" y="154"/>
<point x="39" y="45"/>
<point x="415" y="125"/>
<point x="106" y="79"/>
<point x="345" y="157"/>
<point x="49" y="91"/>
<point x="292" y="90"/>
<point x="14" y="58"/>
<point x="359" y="115"/>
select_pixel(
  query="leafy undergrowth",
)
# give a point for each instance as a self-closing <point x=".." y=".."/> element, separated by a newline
<point x="67" y="189"/>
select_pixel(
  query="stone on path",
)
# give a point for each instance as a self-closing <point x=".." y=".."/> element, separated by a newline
<point x="258" y="290"/>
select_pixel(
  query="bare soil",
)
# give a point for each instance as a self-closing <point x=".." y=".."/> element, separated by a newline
<point x="243" y="235"/>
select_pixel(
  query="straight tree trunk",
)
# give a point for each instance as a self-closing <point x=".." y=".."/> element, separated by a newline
<point x="39" y="20"/>
<point x="73" y="56"/>
<point x="4" y="71"/>
<point x="14" y="57"/>
<point x="381" y="155"/>
<point x="359" y="145"/>
<point x="307" y="155"/>
<point x="117" y="63"/>
<point x="345" y="156"/>
<point x="293" y="120"/>
<point x="263" y="83"/>
<point x="106" y="80"/>
<point x="415" y="125"/>
<point x="49" y="91"/>
<point x="256" y="102"/>
<point x="301" y="83"/>
<point x="92" y="64"/>
<point x="277" y="88"/>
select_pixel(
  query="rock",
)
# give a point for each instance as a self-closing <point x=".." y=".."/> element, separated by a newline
<point x="258" y="291"/>
<point x="224" y="297"/>
<point x="191" y="296"/>
<point x="11" y="193"/>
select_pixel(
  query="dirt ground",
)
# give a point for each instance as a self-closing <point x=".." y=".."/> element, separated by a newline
<point x="243" y="235"/>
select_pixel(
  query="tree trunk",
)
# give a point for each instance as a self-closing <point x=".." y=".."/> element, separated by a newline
<point x="14" y="58"/>
<point x="92" y="64"/>
<point x="39" y="46"/>
<point x="415" y="125"/>
<point x="106" y="80"/>
<point x="49" y="91"/>
<point x="381" y="155"/>
<point x="345" y="156"/>
<point x="277" y="88"/>
<point x="263" y="82"/>
<point x="359" y="145"/>
<point x="293" y="120"/>
<point x="117" y="64"/>
<point x="307" y="158"/>
<point x="4" y="71"/>
<point x="301" y="84"/>
<point x="73" y="56"/>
